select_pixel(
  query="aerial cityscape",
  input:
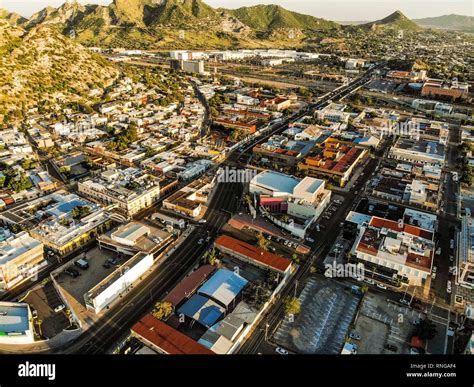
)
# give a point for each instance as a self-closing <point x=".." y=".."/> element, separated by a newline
<point x="181" y="178"/>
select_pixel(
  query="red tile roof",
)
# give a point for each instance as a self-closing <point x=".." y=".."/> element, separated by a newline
<point x="253" y="253"/>
<point x="395" y="226"/>
<point x="189" y="285"/>
<point x="167" y="338"/>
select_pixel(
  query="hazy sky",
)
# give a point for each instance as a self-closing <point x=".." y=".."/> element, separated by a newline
<point x="343" y="10"/>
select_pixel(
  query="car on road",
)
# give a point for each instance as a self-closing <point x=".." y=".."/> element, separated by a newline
<point x="106" y="264"/>
<point x="310" y="239"/>
<point x="200" y="241"/>
<point x="414" y="351"/>
<point x="369" y="281"/>
<point x="202" y="221"/>
<point x="208" y="239"/>
<point x="381" y="286"/>
<point x="438" y="251"/>
<point x="448" y="287"/>
<point x="281" y="351"/>
<point x="404" y="302"/>
<point x="72" y="272"/>
<point x="451" y="258"/>
<point x="451" y="244"/>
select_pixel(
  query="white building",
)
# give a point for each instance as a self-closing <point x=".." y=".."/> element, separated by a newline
<point x="21" y="257"/>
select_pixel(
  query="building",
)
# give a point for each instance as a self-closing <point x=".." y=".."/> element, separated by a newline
<point x="190" y="200"/>
<point x="335" y="161"/>
<point x="131" y="190"/>
<point x="70" y="222"/>
<point x="134" y="237"/>
<point x="440" y="88"/>
<point x="279" y="152"/>
<point x="16" y="324"/>
<point x="334" y="113"/>
<point x="396" y="252"/>
<point x="253" y="255"/>
<point x="21" y="257"/>
<point x="166" y="340"/>
<point x="465" y="254"/>
<point x="306" y="198"/>
<point x="193" y="66"/>
<point x="118" y="283"/>
<point x="418" y="151"/>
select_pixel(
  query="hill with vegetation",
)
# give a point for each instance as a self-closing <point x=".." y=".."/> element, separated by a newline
<point x="396" y="20"/>
<point x="448" y="22"/>
<point x="40" y="67"/>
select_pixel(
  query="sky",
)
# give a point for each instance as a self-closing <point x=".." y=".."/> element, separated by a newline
<point x="339" y="10"/>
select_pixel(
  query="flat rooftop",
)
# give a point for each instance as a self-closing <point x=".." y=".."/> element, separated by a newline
<point x="13" y="318"/>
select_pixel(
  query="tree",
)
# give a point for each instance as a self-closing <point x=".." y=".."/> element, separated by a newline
<point x="210" y="257"/>
<point x="80" y="212"/>
<point x="262" y="242"/>
<point x="162" y="310"/>
<point x="295" y="259"/>
<point x="425" y="329"/>
<point x="292" y="306"/>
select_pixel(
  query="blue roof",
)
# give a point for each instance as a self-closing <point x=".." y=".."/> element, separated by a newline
<point x="223" y="286"/>
<point x="14" y="318"/>
<point x="202" y="309"/>
<point x="277" y="182"/>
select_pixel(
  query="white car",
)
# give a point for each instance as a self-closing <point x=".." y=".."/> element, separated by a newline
<point x="59" y="308"/>
<point x="370" y="281"/>
<point x="381" y="286"/>
<point x="448" y="287"/>
<point x="202" y="221"/>
<point x="281" y="351"/>
<point x="404" y="302"/>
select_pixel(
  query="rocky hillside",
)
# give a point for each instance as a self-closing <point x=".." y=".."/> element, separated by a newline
<point x="396" y="20"/>
<point x="11" y="17"/>
<point x="179" y="24"/>
<point x="42" y="66"/>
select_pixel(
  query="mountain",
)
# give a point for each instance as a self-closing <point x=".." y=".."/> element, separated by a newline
<point x="173" y="24"/>
<point x="448" y="22"/>
<point x="396" y="20"/>
<point x="42" y="65"/>
<point x="11" y="17"/>
<point x="271" y="17"/>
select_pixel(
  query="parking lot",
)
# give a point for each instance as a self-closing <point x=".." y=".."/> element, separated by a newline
<point x="381" y="322"/>
<point x="44" y="300"/>
<point x="327" y="311"/>
<point x="75" y="288"/>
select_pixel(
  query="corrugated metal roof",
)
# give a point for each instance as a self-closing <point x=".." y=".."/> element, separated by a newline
<point x="260" y="256"/>
<point x="223" y="286"/>
<point x="202" y="309"/>
<point x="189" y="285"/>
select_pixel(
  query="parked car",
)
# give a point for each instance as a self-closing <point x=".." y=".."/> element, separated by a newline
<point x="354" y="335"/>
<point x="106" y="264"/>
<point x="448" y="287"/>
<point x="82" y="264"/>
<point x="381" y="286"/>
<point x="59" y="308"/>
<point x="281" y="351"/>
<point x="310" y="239"/>
<point x="202" y="221"/>
<point x="370" y="281"/>
<point x="404" y="302"/>
<point x="72" y="272"/>
<point x="200" y="241"/>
